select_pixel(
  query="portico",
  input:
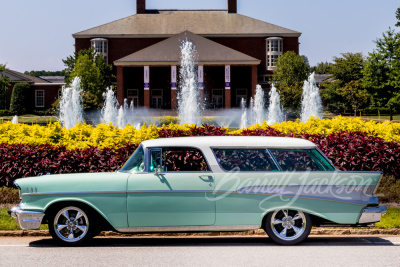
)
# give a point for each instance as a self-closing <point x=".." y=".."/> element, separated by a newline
<point x="150" y="77"/>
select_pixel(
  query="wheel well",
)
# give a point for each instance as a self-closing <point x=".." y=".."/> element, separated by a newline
<point x="315" y="220"/>
<point x="103" y="223"/>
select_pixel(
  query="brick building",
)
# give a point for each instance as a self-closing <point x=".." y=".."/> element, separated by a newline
<point x="234" y="53"/>
<point x="43" y="91"/>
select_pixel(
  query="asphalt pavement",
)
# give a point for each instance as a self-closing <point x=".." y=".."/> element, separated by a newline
<point x="203" y="251"/>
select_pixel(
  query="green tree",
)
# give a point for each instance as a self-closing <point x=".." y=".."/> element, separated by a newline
<point x="348" y="67"/>
<point x="20" y="98"/>
<point x="344" y="70"/>
<point x="4" y="83"/>
<point x="322" y="68"/>
<point x="39" y="73"/>
<point x="290" y="73"/>
<point x="382" y="71"/>
<point x="290" y="69"/>
<point x="398" y="17"/>
<point x="95" y="76"/>
<point x="356" y="96"/>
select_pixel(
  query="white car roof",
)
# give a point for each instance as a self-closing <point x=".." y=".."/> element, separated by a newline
<point x="230" y="141"/>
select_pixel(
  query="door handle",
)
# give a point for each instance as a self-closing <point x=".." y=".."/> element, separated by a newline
<point x="207" y="178"/>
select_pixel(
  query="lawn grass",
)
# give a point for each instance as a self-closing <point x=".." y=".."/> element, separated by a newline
<point x="390" y="220"/>
<point x="29" y="118"/>
<point x="9" y="223"/>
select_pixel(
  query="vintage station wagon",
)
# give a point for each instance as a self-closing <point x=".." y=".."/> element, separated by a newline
<point x="190" y="184"/>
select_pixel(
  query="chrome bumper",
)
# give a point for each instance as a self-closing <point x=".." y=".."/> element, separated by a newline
<point x="27" y="220"/>
<point x="372" y="215"/>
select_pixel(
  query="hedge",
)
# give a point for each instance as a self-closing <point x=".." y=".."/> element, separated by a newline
<point x="347" y="150"/>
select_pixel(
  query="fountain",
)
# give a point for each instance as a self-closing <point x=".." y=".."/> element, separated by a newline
<point x="188" y="98"/>
<point x="71" y="106"/>
<point x="259" y="103"/>
<point x="121" y="118"/>
<point x="275" y="113"/>
<point x="110" y="109"/>
<point x="243" y="120"/>
<point x="14" y="120"/>
<point x="311" y="104"/>
<point x="251" y="112"/>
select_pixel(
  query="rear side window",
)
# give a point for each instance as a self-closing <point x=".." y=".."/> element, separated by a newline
<point x="245" y="160"/>
<point x="301" y="160"/>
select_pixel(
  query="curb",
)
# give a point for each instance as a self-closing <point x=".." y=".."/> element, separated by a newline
<point x="317" y="231"/>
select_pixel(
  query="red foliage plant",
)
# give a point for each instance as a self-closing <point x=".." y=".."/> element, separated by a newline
<point x="347" y="150"/>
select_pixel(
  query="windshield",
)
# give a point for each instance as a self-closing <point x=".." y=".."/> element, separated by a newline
<point x="135" y="162"/>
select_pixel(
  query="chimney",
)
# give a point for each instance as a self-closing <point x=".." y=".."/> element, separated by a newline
<point x="140" y="6"/>
<point x="232" y="6"/>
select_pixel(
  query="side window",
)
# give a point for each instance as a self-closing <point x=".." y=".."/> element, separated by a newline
<point x="301" y="160"/>
<point x="245" y="159"/>
<point x="183" y="159"/>
<point x="135" y="162"/>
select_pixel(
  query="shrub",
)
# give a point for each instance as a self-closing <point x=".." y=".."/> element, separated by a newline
<point x="20" y="97"/>
<point x="20" y="160"/>
<point x="9" y="195"/>
<point x="5" y="112"/>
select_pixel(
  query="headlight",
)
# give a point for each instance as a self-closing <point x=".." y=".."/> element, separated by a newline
<point x="19" y="189"/>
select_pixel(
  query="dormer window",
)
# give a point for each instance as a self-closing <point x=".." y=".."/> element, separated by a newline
<point x="274" y="50"/>
<point x="100" y="46"/>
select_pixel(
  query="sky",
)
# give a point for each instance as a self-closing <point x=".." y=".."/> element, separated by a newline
<point x="37" y="34"/>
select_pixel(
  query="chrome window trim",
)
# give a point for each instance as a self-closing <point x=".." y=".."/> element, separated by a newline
<point x="274" y="160"/>
<point x="188" y="228"/>
<point x="323" y="154"/>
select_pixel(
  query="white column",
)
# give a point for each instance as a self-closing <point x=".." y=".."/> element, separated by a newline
<point x="173" y="77"/>
<point x="146" y="77"/>
<point x="228" y="77"/>
<point x="200" y="77"/>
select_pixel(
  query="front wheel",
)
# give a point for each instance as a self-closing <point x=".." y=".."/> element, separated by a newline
<point x="70" y="225"/>
<point x="288" y="227"/>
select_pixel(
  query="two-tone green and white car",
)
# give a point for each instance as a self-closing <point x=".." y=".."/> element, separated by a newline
<point x="192" y="184"/>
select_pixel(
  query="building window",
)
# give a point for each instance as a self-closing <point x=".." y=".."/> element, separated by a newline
<point x="100" y="46"/>
<point x="274" y="50"/>
<point x="39" y="98"/>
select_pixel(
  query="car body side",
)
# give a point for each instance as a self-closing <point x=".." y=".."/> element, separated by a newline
<point x="221" y="200"/>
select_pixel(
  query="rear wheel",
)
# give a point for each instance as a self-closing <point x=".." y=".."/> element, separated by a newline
<point x="71" y="225"/>
<point x="288" y="227"/>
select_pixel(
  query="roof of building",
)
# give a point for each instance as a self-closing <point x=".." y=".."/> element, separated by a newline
<point x="230" y="141"/>
<point x="54" y="79"/>
<point x="168" y="52"/>
<point x="320" y="78"/>
<point x="166" y="23"/>
<point x="18" y="77"/>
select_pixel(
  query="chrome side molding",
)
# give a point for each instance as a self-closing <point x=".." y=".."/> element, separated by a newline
<point x="188" y="228"/>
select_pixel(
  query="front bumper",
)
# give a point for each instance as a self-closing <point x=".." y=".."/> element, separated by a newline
<point x="372" y="215"/>
<point x="27" y="220"/>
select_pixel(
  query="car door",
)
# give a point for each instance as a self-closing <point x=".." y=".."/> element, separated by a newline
<point x="167" y="195"/>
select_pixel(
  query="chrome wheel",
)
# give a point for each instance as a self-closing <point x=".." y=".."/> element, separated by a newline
<point x="288" y="224"/>
<point x="71" y="224"/>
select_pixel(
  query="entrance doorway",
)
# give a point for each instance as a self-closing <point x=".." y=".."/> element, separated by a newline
<point x="240" y="93"/>
<point x="133" y="96"/>
<point x="156" y="98"/>
<point x="217" y="98"/>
